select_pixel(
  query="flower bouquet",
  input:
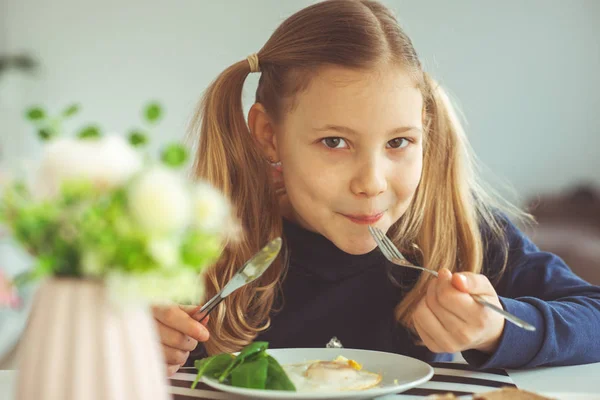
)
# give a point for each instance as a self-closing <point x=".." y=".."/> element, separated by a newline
<point x="114" y="230"/>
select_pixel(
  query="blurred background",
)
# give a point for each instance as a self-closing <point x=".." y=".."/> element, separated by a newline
<point x="524" y="73"/>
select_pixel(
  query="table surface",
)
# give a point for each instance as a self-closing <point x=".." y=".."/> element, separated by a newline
<point x="571" y="379"/>
<point x="583" y="379"/>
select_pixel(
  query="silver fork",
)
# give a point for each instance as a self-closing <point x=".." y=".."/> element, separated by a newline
<point x="391" y="252"/>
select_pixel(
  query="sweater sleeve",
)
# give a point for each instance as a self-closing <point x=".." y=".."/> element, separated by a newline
<point x="539" y="288"/>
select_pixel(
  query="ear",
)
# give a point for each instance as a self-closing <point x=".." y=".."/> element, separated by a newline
<point x="263" y="129"/>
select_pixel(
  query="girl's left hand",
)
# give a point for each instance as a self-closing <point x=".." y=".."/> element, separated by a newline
<point x="448" y="320"/>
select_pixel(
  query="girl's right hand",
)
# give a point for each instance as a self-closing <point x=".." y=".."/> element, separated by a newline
<point x="179" y="332"/>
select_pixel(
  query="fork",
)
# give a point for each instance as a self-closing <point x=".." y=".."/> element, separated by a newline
<point x="391" y="252"/>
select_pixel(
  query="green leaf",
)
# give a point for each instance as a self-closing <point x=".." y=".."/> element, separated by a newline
<point x="277" y="379"/>
<point x="138" y="138"/>
<point x="252" y="349"/>
<point x="45" y="134"/>
<point x="153" y="112"/>
<point x="71" y="110"/>
<point x="45" y="266"/>
<point x="251" y="374"/>
<point x="248" y="351"/>
<point x="35" y="114"/>
<point x="174" y="155"/>
<point x="212" y="366"/>
<point x="89" y="132"/>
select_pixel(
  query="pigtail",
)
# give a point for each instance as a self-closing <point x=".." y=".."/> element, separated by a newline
<point x="229" y="158"/>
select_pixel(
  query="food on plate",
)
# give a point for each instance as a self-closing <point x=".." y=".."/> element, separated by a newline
<point x="340" y="374"/>
<point x="254" y="368"/>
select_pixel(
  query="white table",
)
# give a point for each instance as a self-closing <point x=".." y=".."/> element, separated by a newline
<point x="584" y="379"/>
<point x="7" y="384"/>
<point x="572" y="379"/>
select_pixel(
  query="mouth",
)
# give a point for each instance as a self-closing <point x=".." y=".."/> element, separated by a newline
<point x="364" y="219"/>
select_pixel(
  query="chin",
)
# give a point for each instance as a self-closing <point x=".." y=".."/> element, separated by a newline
<point x="356" y="246"/>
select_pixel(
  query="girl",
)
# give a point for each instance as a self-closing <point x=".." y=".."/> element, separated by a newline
<point x="360" y="135"/>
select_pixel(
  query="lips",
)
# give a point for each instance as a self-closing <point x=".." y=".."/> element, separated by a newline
<point x="364" y="219"/>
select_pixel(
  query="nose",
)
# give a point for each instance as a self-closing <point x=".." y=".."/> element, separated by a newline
<point x="370" y="179"/>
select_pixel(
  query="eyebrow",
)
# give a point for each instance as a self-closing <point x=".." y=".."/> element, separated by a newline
<point x="350" y="131"/>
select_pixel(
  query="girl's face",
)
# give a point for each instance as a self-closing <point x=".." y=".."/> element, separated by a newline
<point x="351" y="152"/>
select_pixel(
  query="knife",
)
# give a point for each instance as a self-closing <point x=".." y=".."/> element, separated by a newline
<point x="249" y="272"/>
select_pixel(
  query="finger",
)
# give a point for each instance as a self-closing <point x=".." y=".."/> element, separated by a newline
<point x="171" y="369"/>
<point x="459" y="281"/>
<point x="174" y="338"/>
<point x="457" y="302"/>
<point x="175" y="356"/>
<point x="469" y="282"/>
<point x="178" y="319"/>
<point x="461" y="331"/>
<point x="434" y="328"/>
<point x="191" y="310"/>
<point x="203" y="318"/>
<point x="478" y="284"/>
<point x="445" y="301"/>
<point x="426" y="339"/>
<point x="194" y="312"/>
<point x="446" y="298"/>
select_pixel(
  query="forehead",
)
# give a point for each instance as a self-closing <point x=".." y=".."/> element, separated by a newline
<point x="359" y="98"/>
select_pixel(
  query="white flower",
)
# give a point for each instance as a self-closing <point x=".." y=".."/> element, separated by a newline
<point x="160" y="201"/>
<point x="107" y="162"/>
<point x="211" y="209"/>
<point x="165" y="252"/>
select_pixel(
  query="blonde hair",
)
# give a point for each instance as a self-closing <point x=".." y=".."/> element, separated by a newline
<point x="445" y="218"/>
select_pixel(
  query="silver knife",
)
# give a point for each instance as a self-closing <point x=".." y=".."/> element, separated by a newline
<point x="249" y="272"/>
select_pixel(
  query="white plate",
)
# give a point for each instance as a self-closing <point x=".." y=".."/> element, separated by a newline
<point x="399" y="373"/>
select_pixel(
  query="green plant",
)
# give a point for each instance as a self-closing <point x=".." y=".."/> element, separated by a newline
<point x="101" y="207"/>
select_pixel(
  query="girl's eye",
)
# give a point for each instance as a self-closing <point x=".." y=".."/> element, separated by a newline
<point x="397" y="143"/>
<point x="334" y="143"/>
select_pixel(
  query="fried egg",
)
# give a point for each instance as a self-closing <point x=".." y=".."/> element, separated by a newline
<point x="338" y="375"/>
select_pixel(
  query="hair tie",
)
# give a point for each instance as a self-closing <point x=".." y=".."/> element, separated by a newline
<point x="253" y="61"/>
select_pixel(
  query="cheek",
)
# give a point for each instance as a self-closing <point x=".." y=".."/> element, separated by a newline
<point x="405" y="183"/>
<point x="309" y="183"/>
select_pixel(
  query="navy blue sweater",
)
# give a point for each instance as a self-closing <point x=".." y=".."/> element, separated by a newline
<point x="328" y="293"/>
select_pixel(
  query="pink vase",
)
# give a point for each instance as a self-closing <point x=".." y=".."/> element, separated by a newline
<point x="80" y="346"/>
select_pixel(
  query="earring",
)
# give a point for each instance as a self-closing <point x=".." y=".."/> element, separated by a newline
<point x="275" y="165"/>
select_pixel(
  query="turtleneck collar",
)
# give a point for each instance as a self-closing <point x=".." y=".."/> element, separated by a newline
<point x="315" y="255"/>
